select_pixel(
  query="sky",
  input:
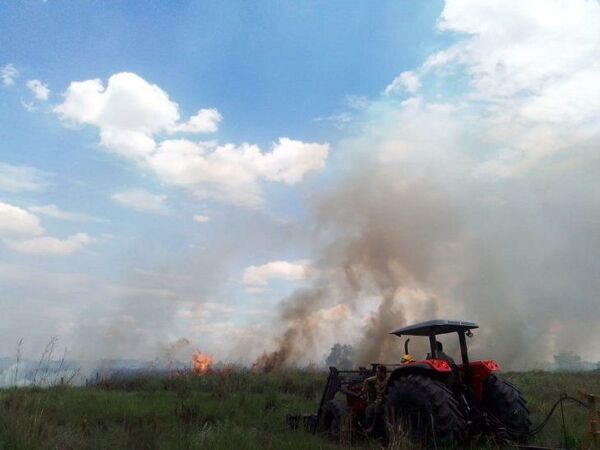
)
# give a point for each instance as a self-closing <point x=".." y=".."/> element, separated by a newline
<point x="184" y="170"/>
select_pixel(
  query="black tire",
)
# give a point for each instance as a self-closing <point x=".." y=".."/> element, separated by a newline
<point x="423" y="411"/>
<point x="508" y="407"/>
<point x="336" y="421"/>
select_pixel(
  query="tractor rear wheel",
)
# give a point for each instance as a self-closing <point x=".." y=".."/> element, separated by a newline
<point x="423" y="411"/>
<point x="336" y="421"/>
<point x="508" y="407"/>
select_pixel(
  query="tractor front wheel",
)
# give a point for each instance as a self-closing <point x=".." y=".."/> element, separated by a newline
<point x="423" y="411"/>
<point x="508" y="407"/>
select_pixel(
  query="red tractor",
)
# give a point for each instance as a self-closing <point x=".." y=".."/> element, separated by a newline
<point x="432" y="402"/>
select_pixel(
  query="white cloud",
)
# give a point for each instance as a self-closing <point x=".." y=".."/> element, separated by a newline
<point x="205" y="121"/>
<point x="201" y="219"/>
<point x="47" y="245"/>
<point x="230" y="174"/>
<point x="224" y="173"/>
<point x="539" y="88"/>
<point x="542" y="42"/>
<point x="408" y="81"/>
<point x="129" y="112"/>
<point x="8" y="74"/>
<point x="21" y="178"/>
<point x="127" y="103"/>
<point x="15" y="220"/>
<point x="39" y="90"/>
<point x="55" y="212"/>
<point x="290" y="160"/>
<point x="141" y="200"/>
<point x="547" y="48"/>
<point x="257" y="277"/>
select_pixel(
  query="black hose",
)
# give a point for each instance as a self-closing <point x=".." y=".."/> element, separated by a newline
<point x="563" y="442"/>
<point x="543" y="423"/>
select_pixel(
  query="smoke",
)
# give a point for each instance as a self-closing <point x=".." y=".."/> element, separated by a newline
<point x="435" y="240"/>
<point x="462" y="205"/>
<point x="383" y="237"/>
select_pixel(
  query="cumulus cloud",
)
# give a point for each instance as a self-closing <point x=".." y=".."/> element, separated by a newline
<point x="8" y="74"/>
<point x="39" y="90"/>
<point x="539" y="88"/>
<point x="55" y="212"/>
<point x="141" y="200"/>
<point x="47" y="245"/>
<point x="290" y="160"/>
<point x="550" y="43"/>
<point x="407" y="81"/>
<point x="231" y="174"/>
<point x="257" y="277"/>
<point x="21" y="178"/>
<point x="15" y="221"/>
<point x="129" y="112"/>
<point x="205" y="121"/>
<point x="201" y="218"/>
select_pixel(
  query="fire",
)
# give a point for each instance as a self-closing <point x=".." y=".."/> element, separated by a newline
<point x="202" y="363"/>
<point x="268" y="362"/>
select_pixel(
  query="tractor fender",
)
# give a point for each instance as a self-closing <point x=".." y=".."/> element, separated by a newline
<point x="434" y="368"/>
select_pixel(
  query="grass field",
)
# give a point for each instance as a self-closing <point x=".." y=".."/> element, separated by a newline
<point x="237" y="410"/>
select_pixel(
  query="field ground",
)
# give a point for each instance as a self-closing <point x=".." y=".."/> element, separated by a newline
<point x="222" y="411"/>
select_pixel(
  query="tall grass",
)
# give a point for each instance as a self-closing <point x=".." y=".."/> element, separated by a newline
<point x="235" y="410"/>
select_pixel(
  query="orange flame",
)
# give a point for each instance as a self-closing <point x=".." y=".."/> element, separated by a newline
<point x="202" y="363"/>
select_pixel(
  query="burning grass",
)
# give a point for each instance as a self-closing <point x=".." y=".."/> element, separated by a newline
<point x="202" y="363"/>
<point x="234" y="409"/>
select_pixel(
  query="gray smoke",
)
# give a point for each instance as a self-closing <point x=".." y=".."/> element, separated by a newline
<point x="516" y="254"/>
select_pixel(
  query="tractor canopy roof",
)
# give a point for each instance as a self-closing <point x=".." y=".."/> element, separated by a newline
<point x="435" y="327"/>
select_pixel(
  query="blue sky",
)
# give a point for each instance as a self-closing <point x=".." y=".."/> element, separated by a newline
<point x="274" y="65"/>
<point x="138" y="220"/>
<point x="271" y="70"/>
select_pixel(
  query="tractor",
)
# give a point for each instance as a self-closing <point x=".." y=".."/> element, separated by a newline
<point x="431" y="402"/>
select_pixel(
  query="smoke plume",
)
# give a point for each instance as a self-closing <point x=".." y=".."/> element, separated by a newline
<point x="476" y="203"/>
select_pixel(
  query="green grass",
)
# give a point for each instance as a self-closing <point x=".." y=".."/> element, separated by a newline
<point x="542" y="389"/>
<point x="237" y="410"/>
